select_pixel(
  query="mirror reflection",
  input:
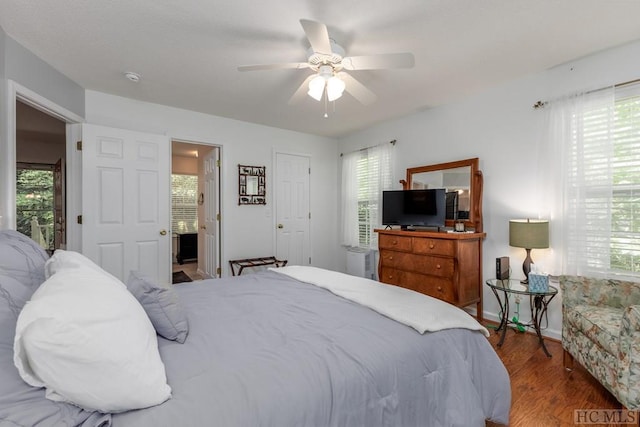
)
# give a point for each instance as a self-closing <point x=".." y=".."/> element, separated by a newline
<point x="457" y="183"/>
<point x="252" y="185"/>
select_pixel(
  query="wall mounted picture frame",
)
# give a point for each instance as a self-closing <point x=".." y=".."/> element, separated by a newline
<point x="252" y="185"/>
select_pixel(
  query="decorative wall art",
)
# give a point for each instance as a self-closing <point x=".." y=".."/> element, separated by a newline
<point x="252" y="185"/>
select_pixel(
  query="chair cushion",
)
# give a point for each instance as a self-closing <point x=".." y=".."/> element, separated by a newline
<point x="599" y="324"/>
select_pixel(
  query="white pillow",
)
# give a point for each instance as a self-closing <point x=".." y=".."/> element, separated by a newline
<point x="66" y="260"/>
<point x="87" y="340"/>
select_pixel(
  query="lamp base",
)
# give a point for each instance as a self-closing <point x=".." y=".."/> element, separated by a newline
<point x="526" y="267"/>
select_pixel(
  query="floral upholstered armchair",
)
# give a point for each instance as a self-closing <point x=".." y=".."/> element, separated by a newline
<point x="601" y="330"/>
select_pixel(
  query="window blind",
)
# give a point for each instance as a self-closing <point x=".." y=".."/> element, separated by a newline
<point x="184" y="203"/>
<point x="373" y="175"/>
<point x="603" y="184"/>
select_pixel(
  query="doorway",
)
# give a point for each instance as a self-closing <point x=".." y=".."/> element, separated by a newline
<point x="195" y="211"/>
<point x="40" y="177"/>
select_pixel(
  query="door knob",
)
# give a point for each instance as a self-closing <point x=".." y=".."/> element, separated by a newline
<point x="163" y="232"/>
<point x="280" y="226"/>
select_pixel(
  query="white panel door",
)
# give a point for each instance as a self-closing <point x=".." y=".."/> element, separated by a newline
<point x="211" y="211"/>
<point x="125" y="201"/>
<point x="292" y="209"/>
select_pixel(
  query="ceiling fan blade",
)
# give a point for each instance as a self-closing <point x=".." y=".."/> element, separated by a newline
<point x="260" y="67"/>
<point x="318" y="36"/>
<point x="379" y="62"/>
<point x="302" y="91"/>
<point x="357" y="89"/>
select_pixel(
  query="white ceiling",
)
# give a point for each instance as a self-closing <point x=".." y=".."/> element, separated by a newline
<point x="188" y="51"/>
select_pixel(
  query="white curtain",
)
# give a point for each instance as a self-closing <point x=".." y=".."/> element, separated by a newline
<point x="365" y="174"/>
<point x="349" y="226"/>
<point x="577" y="181"/>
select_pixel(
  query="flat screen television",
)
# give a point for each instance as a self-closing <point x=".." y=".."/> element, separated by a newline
<point x="414" y="208"/>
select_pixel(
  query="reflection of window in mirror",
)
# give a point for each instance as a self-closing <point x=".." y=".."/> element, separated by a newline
<point x="252" y="185"/>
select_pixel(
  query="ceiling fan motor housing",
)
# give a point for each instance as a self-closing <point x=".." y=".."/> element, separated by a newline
<point x="333" y="58"/>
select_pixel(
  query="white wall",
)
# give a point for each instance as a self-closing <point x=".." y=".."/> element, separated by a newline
<point x="501" y="128"/>
<point x="184" y="165"/>
<point x="23" y="67"/>
<point x="248" y="231"/>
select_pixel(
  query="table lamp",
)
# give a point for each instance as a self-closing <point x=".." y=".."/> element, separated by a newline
<point x="528" y="234"/>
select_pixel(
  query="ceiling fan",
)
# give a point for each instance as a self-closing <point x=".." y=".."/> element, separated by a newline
<point x="329" y="62"/>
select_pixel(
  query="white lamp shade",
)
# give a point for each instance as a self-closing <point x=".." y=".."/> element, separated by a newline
<point x="335" y="87"/>
<point x="316" y="88"/>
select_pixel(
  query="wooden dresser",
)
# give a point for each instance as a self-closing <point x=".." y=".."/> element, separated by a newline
<point x="447" y="266"/>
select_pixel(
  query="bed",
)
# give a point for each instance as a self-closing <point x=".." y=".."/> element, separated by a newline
<point x="270" y="350"/>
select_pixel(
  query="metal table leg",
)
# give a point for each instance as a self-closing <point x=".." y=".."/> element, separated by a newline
<point x="539" y="306"/>
<point x="504" y="320"/>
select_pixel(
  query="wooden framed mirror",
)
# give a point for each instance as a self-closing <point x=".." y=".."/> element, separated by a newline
<point x="251" y="185"/>
<point x="463" y="182"/>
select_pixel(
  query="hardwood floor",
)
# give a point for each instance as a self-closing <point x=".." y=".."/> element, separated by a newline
<point x="542" y="392"/>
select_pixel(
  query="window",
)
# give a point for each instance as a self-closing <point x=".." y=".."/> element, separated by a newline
<point x="601" y="200"/>
<point x="625" y="214"/>
<point x="365" y="174"/>
<point x="34" y="202"/>
<point x="184" y="203"/>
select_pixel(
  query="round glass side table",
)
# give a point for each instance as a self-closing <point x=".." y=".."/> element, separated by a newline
<point x="538" y="301"/>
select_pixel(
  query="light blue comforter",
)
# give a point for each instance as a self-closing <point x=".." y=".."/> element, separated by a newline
<point x="266" y="350"/>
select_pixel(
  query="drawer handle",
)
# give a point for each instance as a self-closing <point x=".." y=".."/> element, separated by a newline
<point x="438" y="266"/>
<point x="395" y="242"/>
<point x="390" y="277"/>
<point x="439" y="288"/>
<point x="390" y="258"/>
<point x="431" y="246"/>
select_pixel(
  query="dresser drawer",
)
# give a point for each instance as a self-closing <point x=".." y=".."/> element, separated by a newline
<point x="392" y="276"/>
<point x="422" y="264"/>
<point x="442" y="289"/>
<point x="399" y="243"/>
<point x="436" y="287"/>
<point x="434" y="246"/>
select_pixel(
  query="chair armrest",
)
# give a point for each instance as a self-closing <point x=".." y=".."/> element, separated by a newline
<point x="629" y="358"/>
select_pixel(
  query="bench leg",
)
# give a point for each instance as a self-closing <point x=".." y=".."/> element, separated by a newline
<point x="567" y="360"/>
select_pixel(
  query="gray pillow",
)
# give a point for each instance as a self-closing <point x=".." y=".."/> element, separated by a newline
<point x="161" y="305"/>
<point x="21" y="273"/>
<point x="22" y="258"/>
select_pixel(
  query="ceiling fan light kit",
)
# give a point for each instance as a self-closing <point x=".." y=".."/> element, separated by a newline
<point x="327" y="59"/>
<point x="335" y="86"/>
<point x="316" y="88"/>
